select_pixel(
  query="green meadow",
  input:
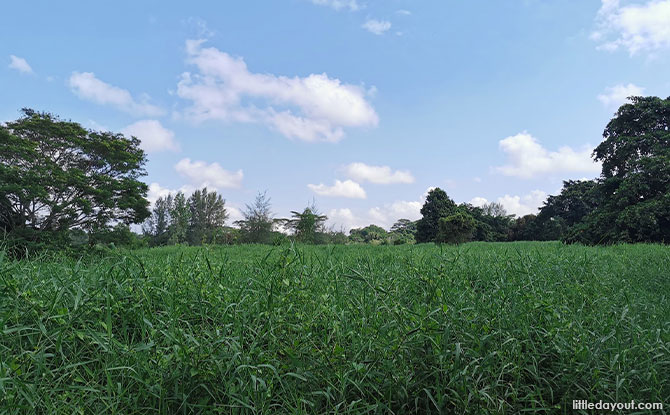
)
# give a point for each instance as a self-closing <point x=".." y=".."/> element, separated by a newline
<point x="498" y="328"/>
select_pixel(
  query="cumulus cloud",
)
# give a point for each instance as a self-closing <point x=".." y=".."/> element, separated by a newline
<point x="312" y="108"/>
<point x="516" y="205"/>
<point x="478" y="201"/>
<point x="617" y="95"/>
<point x="210" y="175"/>
<point x="156" y="191"/>
<point x="385" y="215"/>
<point x="527" y="158"/>
<point x="641" y="26"/>
<point x="19" y="64"/>
<point x="377" y="174"/>
<point x="87" y="87"/>
<point x="352" y="5"/>
<point x="153" y="136"/>
<point x="377" y="27"/>
<point x="347" y="188"/>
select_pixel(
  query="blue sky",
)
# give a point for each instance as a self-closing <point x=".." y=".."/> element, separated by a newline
<point x="361" y="105"/>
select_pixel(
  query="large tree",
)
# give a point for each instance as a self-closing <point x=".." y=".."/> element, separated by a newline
<point x="208" y="217"/>
<point x="634" y="187"/>
<point x="307" y="226"/>
<point x="258" y="222"/>
<point x="438" y="205"/>
<point x="55" y="176"/>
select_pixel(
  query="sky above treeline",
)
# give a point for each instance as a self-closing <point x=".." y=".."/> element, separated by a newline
<point x="361" y="106"/>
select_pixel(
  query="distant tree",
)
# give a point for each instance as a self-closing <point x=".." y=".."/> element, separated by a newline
<point x="403" y="231"/>
<point x="524" y="229"/>
<point x="576" y="200"/>
<point x="307" y="226"/>
<point x="438" y="205"/>
<point x="456" y="228"/>
<point x="368" y="234"/>
<point x="258" y="222"/>
<point x="208" y="216"/>
<point x="157" y="226"/>
<point x="634" y="186"/>
<point x="56" y="175"/>
<point x="180" y="218"/>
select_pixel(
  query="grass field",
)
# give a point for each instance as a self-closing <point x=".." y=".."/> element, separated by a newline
<point x="480" y="328"/>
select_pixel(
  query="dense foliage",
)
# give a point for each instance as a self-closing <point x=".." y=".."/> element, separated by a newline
<point x="56" y="176"/>
<point x="479" y="328"/>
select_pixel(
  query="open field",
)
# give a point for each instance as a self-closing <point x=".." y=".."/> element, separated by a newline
<point x="480" y="328"/>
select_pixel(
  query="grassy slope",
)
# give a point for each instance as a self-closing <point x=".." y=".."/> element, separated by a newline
<point x="479" y="328"/>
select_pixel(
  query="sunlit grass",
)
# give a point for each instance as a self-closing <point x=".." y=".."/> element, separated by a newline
<point x="480" y="328"/>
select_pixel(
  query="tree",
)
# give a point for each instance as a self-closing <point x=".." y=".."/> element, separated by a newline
<point x="456" y="228"/>
<point x="208" y="217"/>
<point x="576" y="200"/>
<point x="403" y="231"/>
<point x="368" y="234"/>
<point x="634" y="187"/>
<point x="438" y="205"/>
<point x="258" y="222"/>
<point x="157" y="225"/>
<point x="307" y="226"/>
<point x="180" y="218"/>
<point x="56" y="175"/>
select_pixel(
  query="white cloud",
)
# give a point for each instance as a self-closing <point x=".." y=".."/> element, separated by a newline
<point x="635" y="27"/>
<point x="618" y="95"/>
<point x="384" y="216"/>
<point x="527" y="158"/>
<point x="378" y="27"/>
<point x="156" y="191"/>
<point x="478" y="201"/>
<point x="403" y="12"/>
<point x="19" y="64"/>
<point x="523" y="205"/>
<point x="313" y="108"/>
<point x="344" y="219"/>
<point x="352" y="5"/>
<point x="377" y="174"/>
<point x="211" y="175"/>
<point x="516" y="205"/>
<point x="347" y="188"/>
<point x="153" y="136"/>
<point x="87" y="87"/>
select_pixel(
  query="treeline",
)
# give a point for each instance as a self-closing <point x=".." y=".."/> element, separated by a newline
<point x="63" y="186"/>
<point x="201" y="219"/>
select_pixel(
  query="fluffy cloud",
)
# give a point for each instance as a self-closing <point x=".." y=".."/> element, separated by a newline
<point x="517" y="205"/>
<point x="527" y="158"/>
<point x="384" y="216"/>
<point x="377" y="174"/>
<point x="478" y="201"/>
<point x="87" y="87"/>
<point x="635" y="27"/>
<point x="156" y="191"/>
<point x="378" y="27"/>
<point x="153" y="136"/>
<point x="347" y="188"/>
<point x="211" y="175"/>
<point x="19" y="64"/>
<point x="313" y="108"/>
<point x="352" y="5"/>
<point x="615" y="96"/>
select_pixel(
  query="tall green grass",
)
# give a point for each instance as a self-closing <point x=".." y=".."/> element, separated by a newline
<point x="480" y="328"/>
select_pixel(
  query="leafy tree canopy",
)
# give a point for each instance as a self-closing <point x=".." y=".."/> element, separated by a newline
<point x="438" y="205"/>
<point x="56" y="175"/>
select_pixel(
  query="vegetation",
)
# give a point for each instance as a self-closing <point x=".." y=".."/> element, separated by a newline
<point x="475" y="328"/>
<point x="56" y="176"/>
